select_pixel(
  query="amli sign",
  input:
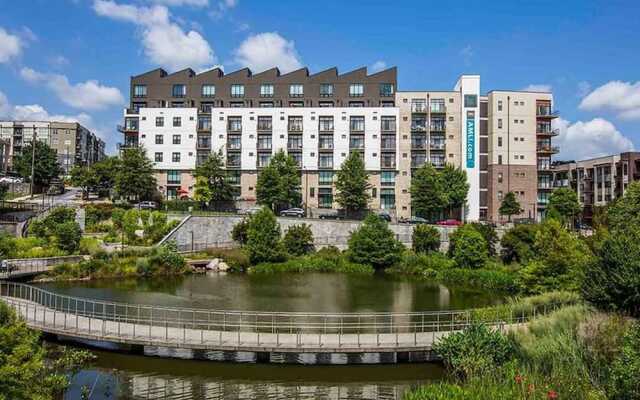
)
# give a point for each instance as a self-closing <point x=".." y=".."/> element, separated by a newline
<point x="471" y="139"/>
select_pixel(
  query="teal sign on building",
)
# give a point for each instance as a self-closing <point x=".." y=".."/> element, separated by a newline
<point x="471" y="140"/>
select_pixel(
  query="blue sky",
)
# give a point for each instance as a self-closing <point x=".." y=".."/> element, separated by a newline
<point x="73" y="58"/>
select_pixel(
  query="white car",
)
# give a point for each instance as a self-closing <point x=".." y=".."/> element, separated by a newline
<point x="250" y="210"/>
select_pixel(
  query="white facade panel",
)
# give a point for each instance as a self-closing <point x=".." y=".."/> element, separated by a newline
<point x="187" y="131"/>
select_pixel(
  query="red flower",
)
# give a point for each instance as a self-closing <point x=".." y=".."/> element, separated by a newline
<point x="518" y="379"/>
<point x="552" y="394"/>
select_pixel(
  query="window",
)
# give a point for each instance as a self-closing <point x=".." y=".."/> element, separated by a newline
<point x="173" y="177"/>
<point x="470" y="100"/>
<point x="388" y="123"/>
<point x="437" y="106"/>
<point x="388" y="160"/>
<point x="418" y="105"/>
<point x="159" y="121"/>
<point x="206" y="107"/>
<point x="177" y="139"/>
<point x="235" y="124"/>
<point x="266" y="104"/>
<point x="204" y="123"/>
<point x="387" y="198"/>
<point x="296" y="90"/>
<point x="264" y="123"/>
<point x="175" y="157"/>
<point x="295" y="124"/>
<point x="325" y="161"/>
<point x="237" y="90"/>
<point x="208" y="91"/>
<point x="158" y="157"/>
<point x="356" y="142"/>
<point x="374" y="192"/>
<point x="499" y="105"/>
<point x="356" y="124"/>
<point x="294" y="142"/>
<point x="233" y="160"/>
<point x="326" y="124"/>
<point x="325" y="197"/>
<point x="386" y="89"/>
<point x="500" y="159"/>
<point x="499" y="194"/>
<point x="264" y="142"/>
<point x="263" y="159"/>
<point x="326" y="90"/>
<point x="325" y="177"/>
<point x="388" y="142"/>
<point x="499" y="142"/>
<point x="438" y="124"/>
<point x="159" y="139"/>
<point x="266" y="90"/>
<point x="177" y="121"/>
<point x="234" y="142"/>
<point x="356" y="90"/>
<point x="499" y="177"/>
<point x="325" y="142"/>
<point x="179" y="90"/>
<point x="499" y="123"/>
<point x="233" y="177"/>
<point x="140" y="91"/>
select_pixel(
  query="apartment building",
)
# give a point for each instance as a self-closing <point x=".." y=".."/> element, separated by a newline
<point x="73" y="143"/>
<point x="597" y="181"/>
<point x="320" y="118"/>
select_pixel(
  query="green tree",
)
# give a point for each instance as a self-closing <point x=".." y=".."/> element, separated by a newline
<point x="373" y="243"/>
<point x="68" y="235"/>
<point x="352" y="184"/>
<point x="239" y="231"/>
<point x="624" y="382"/>
<point x="428" y="197"/>
<point x="106" y="171"/>
<point x="564" y="203"/>
<point x="518" y="244"/>
<point x="46" y="167"/>
<point x="626" y="209"/>
<point x="135" y="178"/>
<point x="130" y="224"/>
<point x="298" y="240"/>
<point x="85" y="178"/>
<point x="279" y="183"/>
<point x="212" y="185"/>
<point x="263" y="238"/>
<point x="425" y="239"/>
<point x="456" y="187"/>
<point x="510" y="205"/>
<point x="468" y="248"/>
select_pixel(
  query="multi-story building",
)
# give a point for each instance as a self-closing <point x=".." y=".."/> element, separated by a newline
<point x="74" y="144"/>
<point x="597" y="181"/>
<point x="319" y="119"/>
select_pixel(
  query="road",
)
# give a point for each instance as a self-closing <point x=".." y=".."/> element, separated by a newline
<point x="69" y="196"/>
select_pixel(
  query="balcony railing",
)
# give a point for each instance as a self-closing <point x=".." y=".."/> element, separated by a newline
<point x="204" y="144"/>
<point x="234" y="146"/>
<point x="418" y="128"/>
<point x="438" y="127"/>
<point x="545" y="111"/>
<point x="264" y="146"/>
<point x="419" y="107"/>
<point x="436" y="145"/>
<point x="234" y="128"/>
<point x="438" y="108"/>
<point x="233" y="163"/>
<point x="547" y="149"/>
<point x="294" y="146"/>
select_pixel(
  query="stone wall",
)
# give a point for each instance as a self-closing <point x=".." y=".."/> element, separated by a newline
<point x="197" y="232"/>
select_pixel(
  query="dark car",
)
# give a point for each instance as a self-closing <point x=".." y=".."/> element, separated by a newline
<point x="449" y="222"/>
<point x="330" y="214"/>
<point x="414" y="220"/>
<point x="292" y="212"/>
<point x="384" y="216"/>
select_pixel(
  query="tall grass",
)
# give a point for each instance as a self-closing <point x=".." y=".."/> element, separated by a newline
<point x="517" y="308"/>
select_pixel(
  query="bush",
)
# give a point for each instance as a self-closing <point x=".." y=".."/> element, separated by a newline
<point x="489" y="234"/>
<point x="611" y="281"/>
<point x="474" y="351"/>
<point x="468" y="248"/>
<point x="489" y="279"/>
<point x="425" y="239"/>
<point x="168" y="258"/>
<point x="422" y="264"/>
<point x="263" y="238"/>
<point x="373" y="243"/>
<point x="130" y="224"/>
<point x="239" y="232"/>
<point x="96" y="213"/>
<point x="625" y="371"/>
<point x="298" y="240"/>
<point x="313" y="263"/>
<point x="517" y="244"/>
<point x="68" y="236"/>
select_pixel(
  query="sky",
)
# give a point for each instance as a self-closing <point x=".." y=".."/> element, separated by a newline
<point x="72" y="59"/>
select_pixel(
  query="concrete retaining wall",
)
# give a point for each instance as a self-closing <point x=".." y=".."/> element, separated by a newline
<point x="197" y="232"/>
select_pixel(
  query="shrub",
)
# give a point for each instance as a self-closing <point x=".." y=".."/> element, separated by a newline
<point x="419" y="264"/>
<point x="373" y="243"/>
<point x="263" y="238"/>
<point x="313" y="263"/>
<point x="489" y="279"/>
<point x="517" y="244"/>
<point x="425" y="239"/>
<point x="468" y="248"/>
<point x="489" y="234"/>
<point x="96" y="213"/>
<point x="239" y="232"/>
<point x="474" y="351"/>
<point x="298" y="240"/>
<point x="168" y="258"/>
<point x="130" y="224"/>
<point x="68" y="236"/>
<point x="117" y="217"/>
<point x="625" y="371"/>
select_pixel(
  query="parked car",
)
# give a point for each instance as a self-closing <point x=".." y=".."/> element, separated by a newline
<point x="250" y="210"/>
<point x="449" y="222"/>
<point x="55" y="190"/>
<point x="330" y="214"/>
<point x="147" y="205"/>
<point x="414" y="220"/>
<point x="384" y="216"/>
<point x="292" y="212"/>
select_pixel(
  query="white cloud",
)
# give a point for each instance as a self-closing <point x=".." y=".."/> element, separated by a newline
<point x="620" y="97"/>
<point x="595" y="138"/>
<point x="378" y="66"/>
<point x="221" y="7"/>
<point x="89" y="95"/>
<point x="10" y="46"/>
<point x="178" y="3"/>
<point x="165" y="42"/>
<point x="58" y="61"/>
<point x="266" y="50"/>
<point x="466" y="53"/>
<point x="541" y="87"/>
<point x="35" y="112"/>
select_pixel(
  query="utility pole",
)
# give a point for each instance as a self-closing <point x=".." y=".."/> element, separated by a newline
<point x="33" y="161"/>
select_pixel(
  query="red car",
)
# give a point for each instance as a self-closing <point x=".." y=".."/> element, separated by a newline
<point x="449" y="222"/>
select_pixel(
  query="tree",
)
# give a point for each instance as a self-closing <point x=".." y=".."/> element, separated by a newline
<point x="4" y="189"/>
<point x="468" y="248"/>
<point x="279" y="184"/>
<point x="489" y="234"/>
<point x="46" y="167"/>
<point x="626" y="209"/>
<point x="135" y="178"/>
<point x="352" y="184"/>
<point x="518" y="244"/>
<point x="85" y="178"/>
<point x="374" y="243"/>
<point x="106" y="171"/>
<point x="212" y="185"/>
<point x="239" y="231"/>
<point x="564" y="203"/>
<point x="263" y="238"/>
<point x="298" y="240"/>
<point x="425" y="239"/>
<point x="510" y="205"/>
<point x="624" y="382"/>
<point x="68" y="235"/>
<point x="456" y="187"/>
<point x="428" y="197"/>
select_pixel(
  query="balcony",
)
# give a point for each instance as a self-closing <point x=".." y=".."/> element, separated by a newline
<point x="265" y="126"/>
<point x="438" y="108"/>
<point x="204" y="127"/>
<point x="546" y="112"/>
<point x="418" y="128"/>
<point x="419" y="108"/>
<point x="234" y="146"/>
<point x="436" y="145"/>
<point x="328" y="128"/>
<point x="203" y="143"/>
<point x="264" y="146"/>
<point x="234" y="128"/>
<point x="294" y="146"/>
<point x="295" y="127"/>
<point x="547" y="132"/>
<point x="132" y="111"/>
<point x="388" y="145"/>
<point x="388" y="163"/>
<point x="233" y="162"/>
<point x="547" y="149"/>
<point x="438" y="126"/>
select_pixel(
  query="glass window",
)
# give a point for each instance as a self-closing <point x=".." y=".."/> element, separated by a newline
<point x="264" y="142"/>
<point x="326" y="124"/>
<point x="177" y="121"/>
<point x="386" y="89"/>
<point x="266" y="90"/>
<point x="438" y="124"/>
<point x="297" y="157"/>
<point x="418" y="105"/>
<point x="388" y="123"/>
<point x="388" y="142"/>
<point x="388" y="160"/>
<point x="296" y="90"/>
<point x="294" y="142"/>
<point x="263" y="159"/>
<point x="388" y="177"/>
<point x="140" y="91"/>
<point x="499" y="105"/>
<point x="295" y="124"/>
<point x="235" y="124"/>
<point x="158" y="157"/>
<point x="356" y="123"/>
<point x="325" y="142"/>
<point x="234" y="142"/>
<point x="177" y="139"/>
<point x="233" y="160"/>
<point x="470" y="100"/>
<point x="325" y="161"/>
<point x="159" y="139"/>
<point x="179" y="90"/>
<point x="264" y="123"/>
<point x="175" y="157"/>
<point x="325" y="177"/>
<point x="233" y="177"/>
<point x="356" y="142"/>
<point x="173" y="177"/>
<point x="159" y="121"/>
<point x="325" y="197"/>
<point x="356" y="90"/>
<point x="326" y="90"/>
<point x="237" y="90"/>
<point x="204" y="123"/>
<point x="387" y="198"/>
<point x="206" y="107"/>
<point x="208" y="91"/>
<point x="437" y="105"/>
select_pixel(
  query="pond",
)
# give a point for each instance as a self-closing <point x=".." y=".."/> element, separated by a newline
<point x="121" y="376"/>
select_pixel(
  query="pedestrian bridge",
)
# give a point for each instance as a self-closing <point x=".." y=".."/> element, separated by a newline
<point x="282" y="337"/>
